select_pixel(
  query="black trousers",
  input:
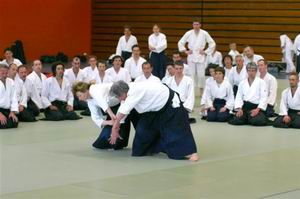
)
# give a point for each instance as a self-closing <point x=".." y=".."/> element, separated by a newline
<point x="26" y="116"/>
<point x="294" y="123"/>
<point x="102" y="141"/>
<point x="9" y="123"/>
<point x="158" y="61"/>
<point x="270" y="112"/>
<point x="259" y="120"/>
<point x="217" y="116"/>
<point x="33" y="108"/>
<point x="167" y="130"/>
<point x="61" y="114"/>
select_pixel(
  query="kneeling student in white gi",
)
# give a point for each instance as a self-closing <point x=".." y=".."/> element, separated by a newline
<point x="8" y="100"/>
<point x="34" y="85"/>
<point x="116" y="72"/>
<point x="102" y="77"/>
<point x="289" y="116"/>
<point x="103" y="111"/>
<point x="251" y="100"/>
<point x="163" y="125"/>
<point x="147" y="74"/>
<point x="239" y="73"/>
<point x="134" y="63"/>
<point x="57" y="96"/>
<point x="91" y="71"/>
<point x="18" y="74"/>
<point x="271" y="84"/>
<point x="220" y="98"/>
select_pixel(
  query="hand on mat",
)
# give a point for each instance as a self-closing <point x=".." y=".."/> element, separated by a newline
<point x="53" y="108"/>
<point x="113" y="138"/>
<point x="21" y="108"/>
<point x="13" y="116"/>
<point x="239" y="113"/>
<point x="286" y="119"/>
<point x="3" y="119"/>
<point x="298" y="113"/>
<point x="69" y="108"/>
<point x="254" y="112"/>
<point x="223" y="109"/>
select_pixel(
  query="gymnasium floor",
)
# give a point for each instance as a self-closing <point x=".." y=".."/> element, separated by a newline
<point x="55" y="160"/>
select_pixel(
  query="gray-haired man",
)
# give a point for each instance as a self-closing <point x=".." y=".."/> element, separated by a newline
<point x="251" y="100"/>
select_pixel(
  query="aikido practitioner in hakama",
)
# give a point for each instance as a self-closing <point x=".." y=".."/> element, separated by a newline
<point x="163" y="124"/>
<point x="57" y="96"/>
<point x="73" y="75"/>
<point x="125" y="43"/>
<point x="219" y="98"/>
<point x="8" y="100"/>
<point x="34" y="85"/>
<point x="239" y="73"/>
<point x="251" y="100"/>
<point x="157" y="43"/>
<point x="18" y="74"/>
<point x="289" y="116"/>
<point x="271" y="84"/>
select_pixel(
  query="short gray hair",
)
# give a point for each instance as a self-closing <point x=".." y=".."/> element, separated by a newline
<point x="251" y="65"/>
<point x="118" y="88"/>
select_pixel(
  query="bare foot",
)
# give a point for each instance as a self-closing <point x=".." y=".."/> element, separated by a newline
<point x="193" y="157"/>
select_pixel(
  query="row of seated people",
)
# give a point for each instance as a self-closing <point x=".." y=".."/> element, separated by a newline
<point x="179" y="82"/>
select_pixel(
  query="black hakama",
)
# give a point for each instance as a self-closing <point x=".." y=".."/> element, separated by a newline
<point x="270" y="112"/>
<point x="158" y="61"/>
<point x="217" y="116"/>
<point x="294" y="123"/>
<point x="102" y="141"/>
<point x="61" y="114"/>
<point x="259" y="120"/>
<point x="33" y="108"/>
<point x="9" y="121"/>
<point x="167" y="130"/>
<point x="126" y="55"/>
<point x="26" y="116"/>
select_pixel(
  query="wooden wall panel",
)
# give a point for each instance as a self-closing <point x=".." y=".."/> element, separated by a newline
<point x="254" y="22"/>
